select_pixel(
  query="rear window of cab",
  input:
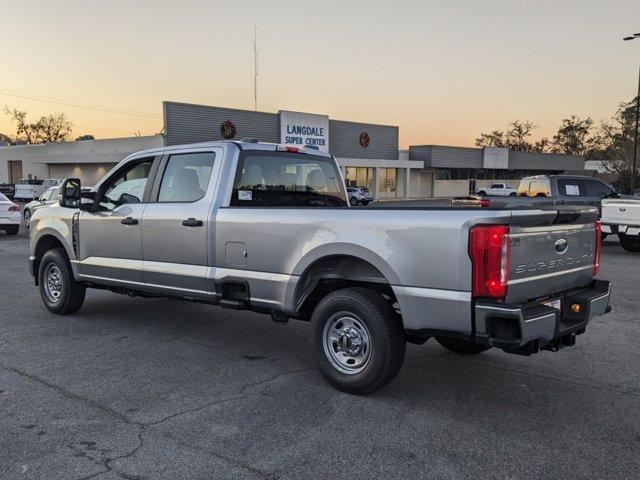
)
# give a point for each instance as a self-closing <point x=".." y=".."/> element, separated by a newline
<point x="277" y="179"/>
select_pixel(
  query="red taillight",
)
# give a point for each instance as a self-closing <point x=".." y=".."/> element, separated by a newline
<point x="596" y="261"/>
<point x="490" y="254"/>
<point x="292" y="149"/>
<point x="14" y="208"/>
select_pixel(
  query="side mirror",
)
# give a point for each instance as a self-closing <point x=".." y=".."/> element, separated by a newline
<point x="70" y="193"/>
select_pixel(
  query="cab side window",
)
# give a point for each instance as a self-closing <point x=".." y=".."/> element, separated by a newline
<point x="128" y="186"/>
<point x="598" y="189"/>
<point x="539" y="188"/>
<point x="571" y="188"/>
<point x="186" y="177"/>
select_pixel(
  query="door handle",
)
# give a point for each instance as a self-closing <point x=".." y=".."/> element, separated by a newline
<point x="192" y="222"/>
<point x="129" y="221"/>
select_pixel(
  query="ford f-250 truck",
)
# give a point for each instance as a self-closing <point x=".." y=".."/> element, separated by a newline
<point x="268" y="228"/>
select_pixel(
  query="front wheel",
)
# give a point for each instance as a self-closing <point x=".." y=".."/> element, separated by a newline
<point x="353" y="201"/>
<point x="27" y="218"/>
<point x="459" y="345"/>
<point x="512" y="194"/>
<point x="12" y="230"/>
<point x="357" y="340"/>
<point x="630" y="243"/>
<point x="482" y="193"/>
<point x="59" y="290"/>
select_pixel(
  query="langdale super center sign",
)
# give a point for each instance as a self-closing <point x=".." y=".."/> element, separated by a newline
<point x="304" y="129"/>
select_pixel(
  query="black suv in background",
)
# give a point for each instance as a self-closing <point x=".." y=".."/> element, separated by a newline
<point x="7" y="189"/>
<point x="567" y="189"/>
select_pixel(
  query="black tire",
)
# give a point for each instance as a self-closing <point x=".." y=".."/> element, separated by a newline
<point x="630" y="243"/>
<point x="365" y="203"/>
<point x="385" y="348"/>
<point x="459" y="345"/>
<point x="603" y="235"/>
<point x="70" y="294"/>
<point x="353" y="201"/>
<point x="12" y="230"/>
<point x="482" y="193"/>
<point x="26" y="216"/>
<point x="512" y="194"/>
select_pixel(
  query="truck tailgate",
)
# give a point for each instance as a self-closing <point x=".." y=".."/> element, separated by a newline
<point x="551" y="252"/>
<point x="621" y="211"/>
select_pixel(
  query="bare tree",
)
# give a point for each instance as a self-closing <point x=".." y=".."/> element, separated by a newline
<point x="613" y="142"/>
<point x="50" y="128"/>
<point x="515" y="137"/>
<point x="574" y="136"/>
<point x="85" y="137"/>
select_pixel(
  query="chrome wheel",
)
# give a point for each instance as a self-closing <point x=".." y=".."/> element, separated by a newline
<point x="27" y="218"/>
<point x="52" y="282"/>
<point x="346" y="342"/>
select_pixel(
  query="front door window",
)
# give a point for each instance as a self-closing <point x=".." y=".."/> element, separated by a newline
<point x="127" y="186"/>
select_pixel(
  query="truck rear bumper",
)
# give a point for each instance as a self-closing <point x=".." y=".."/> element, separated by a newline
<point x="614" y="228"/>
<point x="537" y="326"/>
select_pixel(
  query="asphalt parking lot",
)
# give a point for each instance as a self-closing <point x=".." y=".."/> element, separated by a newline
<point x="143" y="389"/>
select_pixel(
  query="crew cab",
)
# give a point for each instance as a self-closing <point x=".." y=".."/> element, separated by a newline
<point x="567" y="189"/>
<point x="268" y="228"/>
<point x="498" y="189"/>
<point x="621" y="216"/>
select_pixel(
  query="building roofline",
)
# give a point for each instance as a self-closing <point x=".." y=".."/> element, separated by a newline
<point x="244" y="110"/>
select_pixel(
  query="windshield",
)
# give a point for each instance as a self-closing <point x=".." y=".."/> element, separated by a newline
<point x="3" y="198"/>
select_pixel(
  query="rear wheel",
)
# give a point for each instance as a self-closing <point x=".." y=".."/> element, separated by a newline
<point x="12" y="230"/>
<point x="482" y="193"/>
<point x="357" y="340"/>
<point x="27" y="218"/>
<point x="458" y="345"/>
<point x="630" y="243"/>
<point x="60" y="292"/>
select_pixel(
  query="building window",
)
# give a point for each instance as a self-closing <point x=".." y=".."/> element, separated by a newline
<point x="359" y="177"/>
<point x="387" y="182"/>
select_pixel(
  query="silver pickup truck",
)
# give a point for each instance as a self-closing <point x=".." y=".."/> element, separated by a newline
<point x="268" y="228"/>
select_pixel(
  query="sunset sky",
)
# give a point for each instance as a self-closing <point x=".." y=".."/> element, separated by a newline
<point x="443" y="71"/>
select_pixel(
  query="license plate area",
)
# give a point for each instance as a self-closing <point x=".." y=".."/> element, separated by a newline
<point x="557" y="304"/>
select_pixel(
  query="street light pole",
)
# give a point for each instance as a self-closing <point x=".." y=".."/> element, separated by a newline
<point x="635" y="139"/>
<point x="635" y="135"/>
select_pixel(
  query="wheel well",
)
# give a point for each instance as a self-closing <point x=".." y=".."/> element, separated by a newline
<point x="46" y="243"/>
<point x="336" y="272"/>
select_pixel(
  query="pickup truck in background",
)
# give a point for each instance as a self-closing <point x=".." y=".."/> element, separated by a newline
<point x="268" y="228"/>
<point x="621" y="216"/>
<point x="498" y="189"/>
<point x="567" y="189"/>
<point x="30" y="189"/>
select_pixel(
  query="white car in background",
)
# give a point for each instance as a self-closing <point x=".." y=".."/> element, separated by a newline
<point x="9" y="216"/>
<point x="359" y="196"/>
<point x="622" y="216"/>
<point x="29" y="189"/>
<point x="50" y="196"/>
<point x="498" y="189"/>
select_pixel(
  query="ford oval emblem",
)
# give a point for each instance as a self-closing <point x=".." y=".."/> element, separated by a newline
<point x="561" y="246"/>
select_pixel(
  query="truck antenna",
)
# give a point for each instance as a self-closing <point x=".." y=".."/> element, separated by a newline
<point x="255" y="68"/>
